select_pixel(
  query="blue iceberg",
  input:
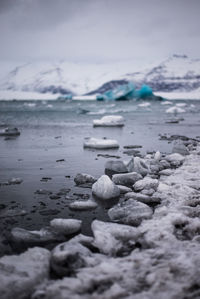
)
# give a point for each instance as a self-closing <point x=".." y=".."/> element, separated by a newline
<point x="127" y="92"/>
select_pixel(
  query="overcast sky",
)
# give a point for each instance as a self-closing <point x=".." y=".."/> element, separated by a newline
<point x="98" y="30"/>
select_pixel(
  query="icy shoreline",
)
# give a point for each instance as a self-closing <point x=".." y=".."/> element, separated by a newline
<point x="157" y="259"/>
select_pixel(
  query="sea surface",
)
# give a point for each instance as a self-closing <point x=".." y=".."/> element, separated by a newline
<point x="55" y="130"/>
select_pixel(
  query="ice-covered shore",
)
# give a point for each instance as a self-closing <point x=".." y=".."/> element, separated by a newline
<point x="160" y="258"/>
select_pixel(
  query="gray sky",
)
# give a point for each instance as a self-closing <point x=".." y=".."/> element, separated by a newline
<point x="98" y="30"/>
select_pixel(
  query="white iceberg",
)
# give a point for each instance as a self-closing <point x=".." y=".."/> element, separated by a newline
<point x="100" y="143"/>
<point x="109" y="121"/>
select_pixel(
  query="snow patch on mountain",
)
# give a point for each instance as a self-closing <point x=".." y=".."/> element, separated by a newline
<point x="177" y="76"/>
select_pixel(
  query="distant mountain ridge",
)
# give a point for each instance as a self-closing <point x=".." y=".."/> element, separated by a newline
<point x="176" y="74"/>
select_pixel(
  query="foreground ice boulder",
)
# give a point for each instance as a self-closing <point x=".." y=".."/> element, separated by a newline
<point x="68" y="257"/>
<point x="113" y="238"/>
<point x="66" y="226"/>
<point x="20" y="274"/>
<point x="100" y="143"/>
<point x="105" y="189"/>
<point x="109" y="121"/>
<point x="130" y="212"/>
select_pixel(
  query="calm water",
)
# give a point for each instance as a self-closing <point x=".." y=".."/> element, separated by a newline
<point x="55" y="130"/>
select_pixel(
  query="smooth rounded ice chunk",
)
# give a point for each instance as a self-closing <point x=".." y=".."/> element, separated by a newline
<point x="146" y="183"/>
<point x="175" y="110"/>
<point x="83" y="205"/>
<point x="126" y="179"/>
<point x="100" y="143"/>
<point x="109" y="121"/>
<point x="111" y="238"/>
<point x="105" y="189"/>
<point x="130" y="212"/>
<point x="66" y="226"/>
<point x="84" y="178"/>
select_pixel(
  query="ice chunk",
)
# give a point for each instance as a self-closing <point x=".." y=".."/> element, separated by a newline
<point x="126" y="179"/>
<point x="180" y="148"/>
<point x="124" y="189"/>
<point x="83" y="205"/>
<point x="68" y="257"/>
<point x="98" y="143"/>
<point x="20" y="274"/>
<point x="84" y="178"/>
<point x="105" y="189"/>
<point x="10" y="132"/>
<point x="109" y="121"/>
<point x="142" y="197"/>
<point x="175" y="159"/>
<point x="130" y="212"/>
<point x="146" y="183"/>
<point x="175" y="110"/>
<point x="144" y="105"/>
<point x="36" y="237"/>
<point x="66" y="226"/>
<point x="140" y="166"/>
<point x="111" y="238"/>
<point x="113" y="167"/>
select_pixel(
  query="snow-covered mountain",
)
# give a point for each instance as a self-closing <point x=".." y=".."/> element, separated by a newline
<point x="175" y="74"/>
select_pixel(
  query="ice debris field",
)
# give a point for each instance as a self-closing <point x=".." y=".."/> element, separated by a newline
<point x="149" y="249"/>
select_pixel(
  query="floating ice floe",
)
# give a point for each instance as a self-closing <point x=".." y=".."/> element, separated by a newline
<point x="166" y="103"/>
<point x="83" y="205"/>
<point x="10" y="132"/>
<point x="175" y="110"/>
<point x="102" y="143"/>
<point x="109" y="121"/>
<point x="66" y="226"/>
<point x="181" y="105"/>
<point x="144" y="105"/>
<point x="105" y="189"/>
